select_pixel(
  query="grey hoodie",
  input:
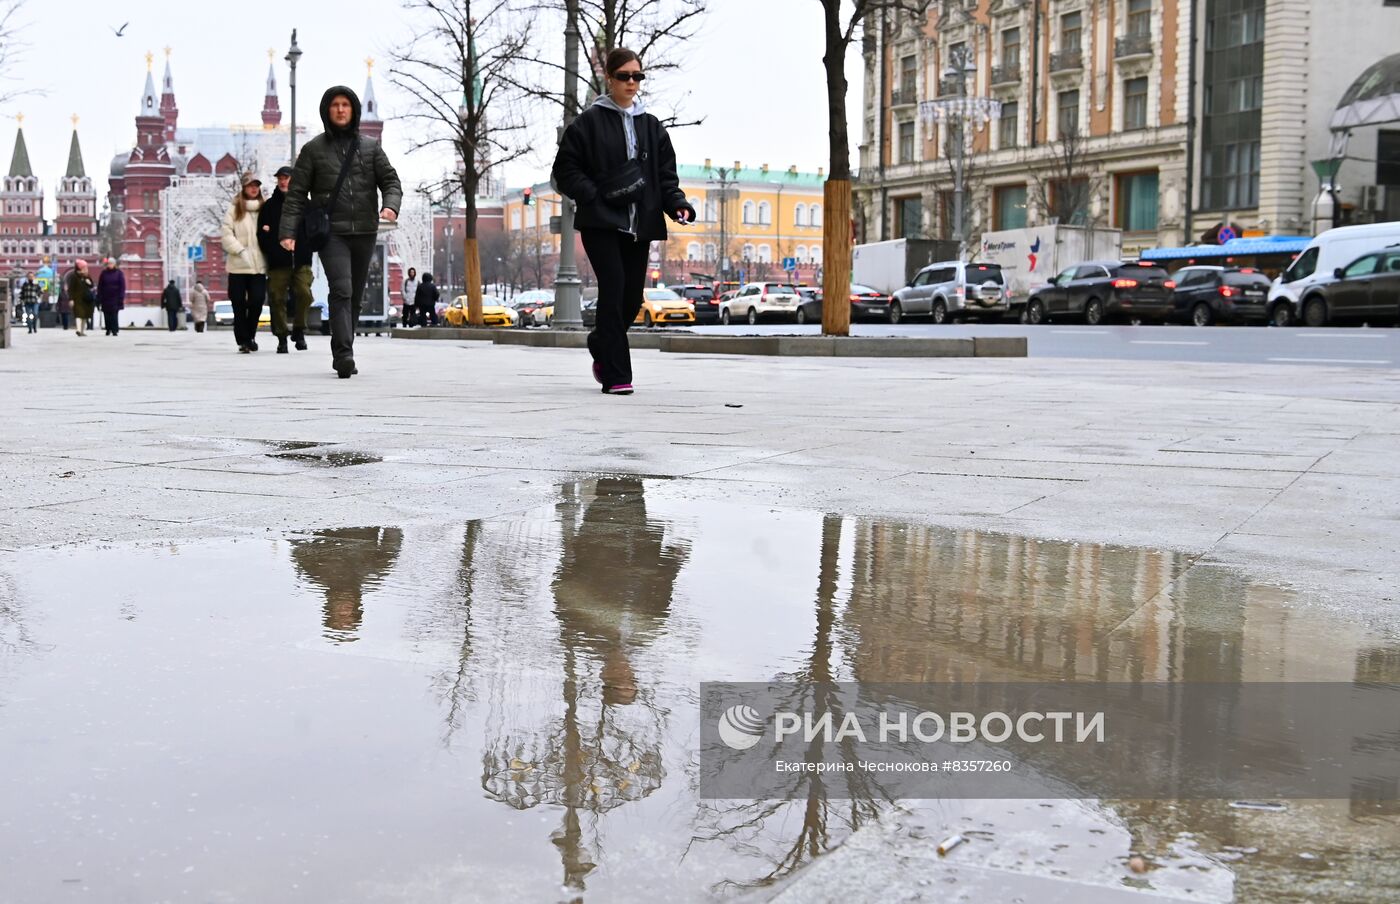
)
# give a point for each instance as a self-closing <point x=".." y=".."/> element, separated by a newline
<point x="629" y="128"/>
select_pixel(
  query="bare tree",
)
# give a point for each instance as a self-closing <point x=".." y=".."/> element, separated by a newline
<point x="1065" y="187"/>
<point x="841" y="18"/>
<point x="655" y="29"/>
<point x="12" y="48"/>
<point x="460" y="67"/>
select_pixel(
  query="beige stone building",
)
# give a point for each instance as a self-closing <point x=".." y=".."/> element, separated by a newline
<point x="1158" y="117"/>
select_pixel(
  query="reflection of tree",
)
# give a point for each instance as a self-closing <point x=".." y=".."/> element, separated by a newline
<point x="612" y="596"/>
<point x="15" y="637"/>
<point x="813" y="691"/>
<point x="452" y="684"/>
<point x="343" y="562"/>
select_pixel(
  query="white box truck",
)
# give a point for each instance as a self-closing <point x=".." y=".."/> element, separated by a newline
<point x="887" y="266"/>
<point x="1034" y="255"/>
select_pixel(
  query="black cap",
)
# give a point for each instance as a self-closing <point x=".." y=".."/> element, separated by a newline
<point x="283" y="171"/>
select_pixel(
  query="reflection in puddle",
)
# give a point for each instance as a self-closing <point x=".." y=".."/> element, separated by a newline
<point x="508" y="709"/>
<point x="329" y="459"/>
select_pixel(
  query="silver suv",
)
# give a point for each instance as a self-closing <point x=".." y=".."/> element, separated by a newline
<point x="953" y="290"/>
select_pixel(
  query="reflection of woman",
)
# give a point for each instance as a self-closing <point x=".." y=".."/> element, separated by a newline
<point x="613" y="590"/>
<point x="342" y="563"/>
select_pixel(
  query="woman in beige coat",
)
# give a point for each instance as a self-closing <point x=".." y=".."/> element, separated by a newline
<point x="243" y="260"/>
<point x="199" y="305"/>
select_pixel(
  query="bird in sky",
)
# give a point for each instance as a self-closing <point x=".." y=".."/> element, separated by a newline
<point x="118" y="31"/>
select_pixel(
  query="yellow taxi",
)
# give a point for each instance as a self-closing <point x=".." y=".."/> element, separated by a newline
<point x="494" y="312"/>
<point x="663" y="306"/>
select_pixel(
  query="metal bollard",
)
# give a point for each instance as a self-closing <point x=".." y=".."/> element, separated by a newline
<point x="7" y="307"/>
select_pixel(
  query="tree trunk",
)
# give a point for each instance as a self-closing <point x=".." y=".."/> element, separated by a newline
<point x="471" y="255"/>
<point x="836" y="225"/>
<point x="836" y="258"/>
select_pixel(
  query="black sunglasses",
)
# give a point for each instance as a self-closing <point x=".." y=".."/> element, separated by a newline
<point x="629" y="76"/>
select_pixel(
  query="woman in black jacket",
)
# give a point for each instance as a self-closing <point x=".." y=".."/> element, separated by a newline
<point x="616" y="162"/>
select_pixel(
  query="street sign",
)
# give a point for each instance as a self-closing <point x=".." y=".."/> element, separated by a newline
<point x="789" y="263"/>
<point x="556" y="225"/>
<point x="195" y="253"/>
<point x="1225" y="234"/>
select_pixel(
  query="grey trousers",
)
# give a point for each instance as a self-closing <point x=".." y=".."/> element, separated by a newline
<point x="346" y="260"/>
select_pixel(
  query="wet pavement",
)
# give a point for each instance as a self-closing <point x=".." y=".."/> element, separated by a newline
<point x="397" y="639"/>
<point x="420" y="713"/>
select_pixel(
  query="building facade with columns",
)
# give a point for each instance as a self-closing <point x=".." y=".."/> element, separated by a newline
<point x="749" y="221"/>
<point x="167" y="194"/>
<point x="1166" y="117"/>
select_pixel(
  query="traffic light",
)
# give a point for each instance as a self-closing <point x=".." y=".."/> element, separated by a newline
<point x="529" y="197"/>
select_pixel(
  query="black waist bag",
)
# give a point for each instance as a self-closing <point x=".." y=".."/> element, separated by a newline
<point x="624" y="184"/>
<point x="316" y="223"/>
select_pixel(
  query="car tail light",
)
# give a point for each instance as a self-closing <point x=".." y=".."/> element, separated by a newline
<point x="1227" y="292"/>
<point x="1169" y="284"/>
<point x="1125" y="284"/>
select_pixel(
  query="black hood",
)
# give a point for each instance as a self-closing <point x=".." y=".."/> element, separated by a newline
<point x="427" y="277"/>
<point x="354" y="110"/>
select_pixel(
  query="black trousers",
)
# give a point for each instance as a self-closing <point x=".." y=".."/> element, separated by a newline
<point x="172" y="319"/>
<point x="247" y="291"/>
<point x="620" y="263"/>
<point x="346" y="260"/>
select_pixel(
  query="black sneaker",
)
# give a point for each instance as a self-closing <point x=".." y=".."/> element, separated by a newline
<point x="299" y="340"/>
<point x="345" y="367"/>
<point x="243" y="349"/>
<point x="281" y="345"/>
<point x="252" y="346"/>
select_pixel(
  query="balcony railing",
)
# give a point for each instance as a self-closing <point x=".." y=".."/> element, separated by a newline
<point x="1007" y="74"/>
<point x="900" y="97"/>
<point x="951" y="87"/>
<point x="1132" y="46"/>
<point x="1067" y="60"/>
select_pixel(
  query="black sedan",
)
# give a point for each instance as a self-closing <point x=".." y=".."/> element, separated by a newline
<point x="1096" y="290"/>
<point x="866" y="304"/>
<point x="702" y="298"/>
<point x="1206" y="295"/>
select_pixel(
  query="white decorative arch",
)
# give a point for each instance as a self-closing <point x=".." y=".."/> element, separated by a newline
<point x="191" y="210"/>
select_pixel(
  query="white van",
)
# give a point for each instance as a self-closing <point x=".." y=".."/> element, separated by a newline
<point x="1324" y="254"/>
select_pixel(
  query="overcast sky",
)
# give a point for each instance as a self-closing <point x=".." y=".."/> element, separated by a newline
<point x="754" y="72"/>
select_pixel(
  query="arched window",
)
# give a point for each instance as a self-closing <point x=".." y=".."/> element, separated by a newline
<point x="765" y="214"/>
<point x="815" y="215"/>
<point x="799" y="215"/>
<point x="816" y="254"/>
<point x="695" y="202"/>
<point x="801" y="254"/>
<point x="692" y="251"/>
<point x="710" y="251"/>
<point x="765" y="254"/>
<point x="711" y="212"/>
<point x="749" y="212"/>
<point x="747" y="251"/>
<point x="152" y="247"/>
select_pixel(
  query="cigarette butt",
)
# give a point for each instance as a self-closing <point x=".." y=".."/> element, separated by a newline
<point x="950" y="843"/>
<point x="1267" y="806"/>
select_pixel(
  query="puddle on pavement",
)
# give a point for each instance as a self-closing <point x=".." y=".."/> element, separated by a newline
<point x="508" y="709"/>
<point x="334" y="458"/>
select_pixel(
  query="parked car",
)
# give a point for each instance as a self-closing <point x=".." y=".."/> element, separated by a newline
<point x="494" y="312"/>
<point x="1096" y="290"/>
<point x="1319" y="261"/>
<point x="1367" y="289"/>
<point x="588" y="311"/>
<point x="530" y="306"/>
<point x="662" y="306"/>
<point x="1207" y="294"/>
<point x="866" y="304"/>
<point x="757" y="301"/>
<point x="223" y="313"/>
<point x="702" y="299"/>
<point x="953" y="290"/>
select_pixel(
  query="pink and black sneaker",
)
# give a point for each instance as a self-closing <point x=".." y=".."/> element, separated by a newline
<point x="598" y="372"/>
<point x="619" y="389"/>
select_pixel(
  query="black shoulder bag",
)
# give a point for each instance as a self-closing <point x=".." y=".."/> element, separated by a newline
<point x="316" y="223"/>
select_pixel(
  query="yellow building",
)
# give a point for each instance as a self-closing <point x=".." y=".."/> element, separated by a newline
<point x="750" y="222"/>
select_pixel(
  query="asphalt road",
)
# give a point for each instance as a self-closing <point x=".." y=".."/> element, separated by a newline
<point x="1336" y="347"/>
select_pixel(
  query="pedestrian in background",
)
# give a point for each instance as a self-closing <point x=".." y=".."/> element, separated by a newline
<point x="425" y="300"/>
<point x="174" y="305"/>
<point x="343" y="173"/>
<point x="617" y="164"/>
<point x="64" y="307"/>
<point x="287" y="271"/>
<point x="29" y="298"/>
<point x="243" y="259"/>
<point x="199" y="305"/>
<point x="409" y="292"/>
<point x="111" y="295"/>
<point x="81" y="293"/>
